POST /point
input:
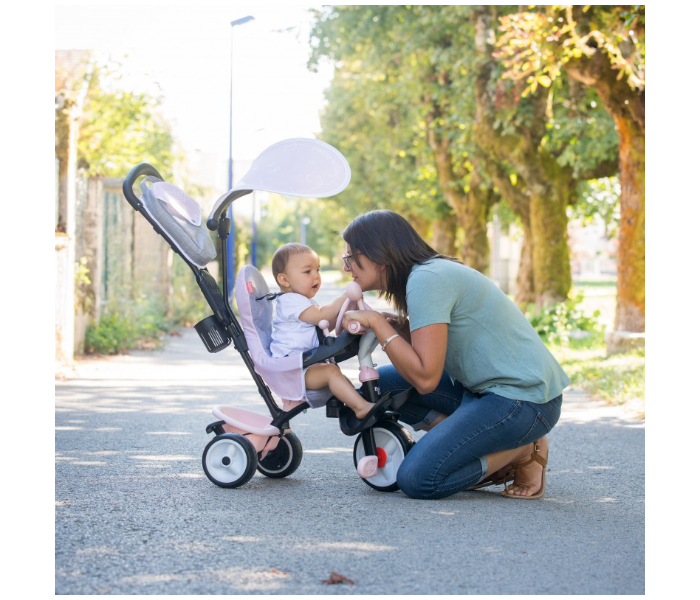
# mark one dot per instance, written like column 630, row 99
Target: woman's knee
column 412, row 481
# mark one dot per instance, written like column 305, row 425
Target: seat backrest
column 251, row 289
column 283, row 375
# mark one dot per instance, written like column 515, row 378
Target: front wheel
column 393, row 443
column 284, row 459
column 229, row 460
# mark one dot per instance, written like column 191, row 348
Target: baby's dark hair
column 281, row 257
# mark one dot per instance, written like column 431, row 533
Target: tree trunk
column 550, row 238
column 525, row 280
column 518, row 198
column 470, row 209
column 627, row 108
column 444, row 235
column 549, row 186
column 630, row 311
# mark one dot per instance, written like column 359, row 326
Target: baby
column 296, row 270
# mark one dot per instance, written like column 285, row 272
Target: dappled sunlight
column 558, row 500
column 243, row 539
column 353, row 547
column 159, row 578
column 165, row 457
column 249, row 580
column 193, row 546
column 578, row 408
column 328, row 450
column 99, row 551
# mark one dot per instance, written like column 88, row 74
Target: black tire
column 229, row 460
column 390, row 436
column 284, row 459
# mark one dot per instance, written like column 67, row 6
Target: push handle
column 221, row 205
column 128, row 186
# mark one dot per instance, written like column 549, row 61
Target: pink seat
column 284, row 376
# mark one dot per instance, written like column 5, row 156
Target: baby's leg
column 327, row 374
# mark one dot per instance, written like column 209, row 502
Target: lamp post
column 304, row 222
column 254, row 245
column 231, row 250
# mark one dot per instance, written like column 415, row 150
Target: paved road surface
column 136, row 515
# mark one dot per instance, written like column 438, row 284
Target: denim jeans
column 451, row 457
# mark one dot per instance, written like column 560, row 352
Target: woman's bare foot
column 529, row 475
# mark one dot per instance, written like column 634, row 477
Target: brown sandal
column 534, row 457
column 502, row 476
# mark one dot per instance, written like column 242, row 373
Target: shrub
column 565, row 322
column 142, row 323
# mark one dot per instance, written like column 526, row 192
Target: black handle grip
column 221, row 205
column 128, row 187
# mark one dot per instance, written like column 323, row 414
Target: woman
column 481, row 371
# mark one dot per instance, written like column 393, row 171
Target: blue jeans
column 451, row 457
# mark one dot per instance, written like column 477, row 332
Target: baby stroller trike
column 244, row 440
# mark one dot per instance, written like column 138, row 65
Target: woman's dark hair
column 388, row 239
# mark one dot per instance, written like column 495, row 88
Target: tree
column 426, row 77
column 602, row 47
column 121, row 128
column 391, row 99
column 544, row 143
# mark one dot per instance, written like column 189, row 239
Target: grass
column 618, row 379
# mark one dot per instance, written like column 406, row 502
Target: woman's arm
column 421, row 361
column 315, row 314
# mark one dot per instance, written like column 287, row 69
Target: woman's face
column 370, row 276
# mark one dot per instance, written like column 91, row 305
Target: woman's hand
column 363, row 317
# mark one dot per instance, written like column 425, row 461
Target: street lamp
column 254, row 246
column 231, row 251
column 304, row 222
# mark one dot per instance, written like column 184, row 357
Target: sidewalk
column 135, row 513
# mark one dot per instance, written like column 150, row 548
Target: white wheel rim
column 386, row 440
column 226, row 461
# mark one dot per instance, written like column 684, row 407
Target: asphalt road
column 135, row 513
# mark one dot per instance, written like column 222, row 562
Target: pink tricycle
column 245, row 441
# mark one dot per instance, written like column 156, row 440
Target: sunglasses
column 347, row 257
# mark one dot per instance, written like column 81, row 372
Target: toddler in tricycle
column 297, row 357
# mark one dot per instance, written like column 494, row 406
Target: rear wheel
column 284, row 459
column 393, row 443
column 229, row 460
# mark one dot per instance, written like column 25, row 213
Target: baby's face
column 301, row 275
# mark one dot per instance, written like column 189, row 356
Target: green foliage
column 617, row 379
column 387, row 97
column 280, row 223
column 120, row 128
column 599, row 199
column 84, row 301
column 565, row 322
column 536, row 45
column 187, row 303
column 142, row 323
column 406, row 73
